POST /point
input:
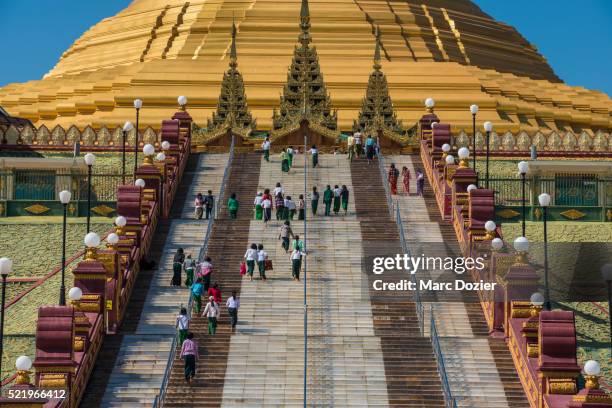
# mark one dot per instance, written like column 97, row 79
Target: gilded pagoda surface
column 449, row 50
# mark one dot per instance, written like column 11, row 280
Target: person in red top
column 215, row 292
column 392, row 177
column 406, row 179
column 189, row 351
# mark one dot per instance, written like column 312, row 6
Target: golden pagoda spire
column 377, row 112
column 304, row 94
column 232, row 108
column 233, row 53
column 377, row 65
column 305, row 24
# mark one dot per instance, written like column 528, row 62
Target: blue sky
column 575, row 36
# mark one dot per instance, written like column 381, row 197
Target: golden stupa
column 449, row 50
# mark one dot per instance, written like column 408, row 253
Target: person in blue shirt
column 196, row 290
column 370, row 145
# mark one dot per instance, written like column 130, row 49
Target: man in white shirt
column 233, row 304
column 267, row 209
column 261, row 261
column 357, row 137
column 251, row 257
column 266, row 149
column 350, row 143
column 278, row 189
column 296, row 263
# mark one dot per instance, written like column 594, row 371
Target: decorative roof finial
column 305, row 23
column 377, row 65
column 233, row 53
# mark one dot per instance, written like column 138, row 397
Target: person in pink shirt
column 189, row 351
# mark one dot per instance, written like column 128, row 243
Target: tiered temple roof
column 304, row 93
column 377, row 112
column 232, row 108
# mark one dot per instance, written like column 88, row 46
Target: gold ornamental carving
column 103, row 210
column 533, row 350
column 79, row 343
column 537, row 213
column 71, row 209
column 609, row 214
column 37, row 209
column 53, row 381
column 507, row 213
column 573, row 214
column 561, row 386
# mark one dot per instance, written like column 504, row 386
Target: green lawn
column 35, row 243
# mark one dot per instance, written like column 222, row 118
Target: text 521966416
column 35, row 393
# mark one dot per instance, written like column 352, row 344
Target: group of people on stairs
column 287, row 208
column 393, row 177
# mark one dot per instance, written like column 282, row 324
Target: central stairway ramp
column 131, row 364
column 480, row 369
column 345, row 364
column 227, row 245
column 410, row 365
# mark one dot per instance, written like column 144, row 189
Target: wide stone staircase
column 410, row 366
column 131, row 364
column 480, row 369
column 266, row 361
column 226, row 247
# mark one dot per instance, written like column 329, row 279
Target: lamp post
column 65, row 199
column 445, row 149
column 120, row 223
column 606, row 273
column 90, row 159
column 23, row 364
column 6, row 266
column 521, row 246
column 474, row 111
column 544, row 200
column 161, row 157
column 592, row 370
column 490, row 227
column 429, row 104
column 91, row 240
column 127, row 127
column 450, row 159
column 137, row 106
column 497, row 244
column 464, row 155
column 75, row 294
column 139, row 183
column 523, row 167
column 182, row 101
column 488, row 126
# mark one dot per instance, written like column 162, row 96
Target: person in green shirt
column 232, row 206
column 297, row 243
column 328, row 196
column 284, row 161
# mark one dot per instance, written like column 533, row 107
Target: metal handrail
column 435, row 342
column 383, row 175
column 159, row 398
column 405, row 249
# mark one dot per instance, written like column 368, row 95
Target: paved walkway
column 345, row 365
column 140, row 366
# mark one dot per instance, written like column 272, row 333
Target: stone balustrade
column 542, row 343
column 68, row 338
column 89, row 138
